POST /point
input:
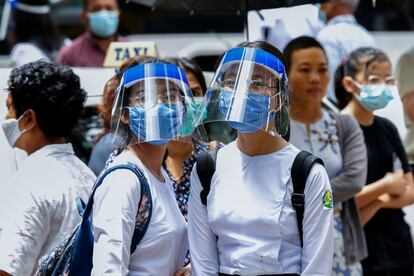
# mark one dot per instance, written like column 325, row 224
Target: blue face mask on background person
column 256, row 111
column 169, row 120
column 192, row 109
column 104, row 23
column 375, row 96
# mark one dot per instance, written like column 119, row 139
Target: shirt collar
column 89, row 37
column 53, row 149
column 346, row 18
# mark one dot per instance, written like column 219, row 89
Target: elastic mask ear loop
column 357, row 84
column 18, row 121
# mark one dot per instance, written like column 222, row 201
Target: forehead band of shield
column 153, row 70
column 36, row 9
column 260, row 57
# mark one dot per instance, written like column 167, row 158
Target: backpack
column 73, row 256
column 303, row 163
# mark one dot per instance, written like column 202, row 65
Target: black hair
column 300, row 43
column 191, row 66
column 38, row 29
column 85, row 4
column 52, row 91
column 357, row 61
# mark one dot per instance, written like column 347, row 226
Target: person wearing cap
column 341, row 35
column 89, row 49
column 34, row 35
column 246, row 224
column 149, row 110
column 38, row 208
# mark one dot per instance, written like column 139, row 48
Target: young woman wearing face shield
column 149, row 110
column 364, row 84
column 248, row 225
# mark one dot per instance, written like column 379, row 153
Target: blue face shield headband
column 154, row 97
column 257, row 56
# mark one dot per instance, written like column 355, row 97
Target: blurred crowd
column 191, row 178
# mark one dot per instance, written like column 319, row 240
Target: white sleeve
column 318, row 223
column 25, row 230
column 203, row 242
column 113, row 217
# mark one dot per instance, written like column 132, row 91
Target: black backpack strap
column 206, row 167
column 300, row 170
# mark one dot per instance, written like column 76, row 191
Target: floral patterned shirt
column 321, row 139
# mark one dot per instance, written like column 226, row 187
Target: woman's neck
column 308, row 113
column 151, row 156
column 362, row 115
column 179, row 150
column 259, row 143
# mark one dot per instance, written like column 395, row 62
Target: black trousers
column 401, row 271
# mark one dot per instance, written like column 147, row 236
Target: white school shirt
column 39, row 208
column 249, row 226
column 164, row 246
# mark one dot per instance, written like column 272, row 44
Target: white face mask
column 12, row 131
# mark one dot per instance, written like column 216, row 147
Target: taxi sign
column 118, row 52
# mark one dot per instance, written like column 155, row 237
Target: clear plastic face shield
column 151, row 105
column 249, row 91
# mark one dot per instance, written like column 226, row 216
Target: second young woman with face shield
column 149, row 110
column 246, row 225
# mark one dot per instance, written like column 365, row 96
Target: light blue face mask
column 375, row 96
column 169, row 120
column 104, row 23
column 256, row 111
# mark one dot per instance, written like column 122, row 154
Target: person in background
column 335, row 138
column 180, row 156
column 33, row 33
column 246, row 224
column 363, row 84
column 405, row 82
column 39, row 209
column 341, row 35
column 88, row 50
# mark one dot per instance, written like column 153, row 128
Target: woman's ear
column 125, row 116
column 28, row 121
column 349, row 85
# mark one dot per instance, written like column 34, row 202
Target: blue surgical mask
column 375, row 96
column 104, row 23
column 256, row 111
column 169, row 122
column 192, row 109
